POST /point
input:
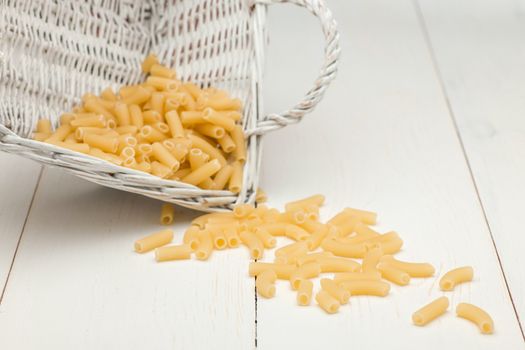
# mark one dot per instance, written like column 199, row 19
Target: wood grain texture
column 76, row 282
column 382, row 140
column 480, row 50
column 18, row 178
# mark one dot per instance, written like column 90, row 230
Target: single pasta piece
column 290, row 248
column 283, row 271
column 202, row 173
column 371, row 259
column 166, row 214
column 210, row 130
column 265, row 283
column 309, row 224
column 106, row 144
column 366, row 287
column 150, row 60
column 66, row 118
column 327, row 302
column 191, row 118
column 164, row 156
column 335, row 264
column 474, row 314
column 205, row 245
column 135, row 115
column 344, row 250
column 346, row 227
column 222, row 177
column 219, row 239
column 364, row 231
column 304, row 292
column 151, row 117
column 197, row 158
column 237, row 135
column 236, row 179
column 153, row 241
column 226, row 143
column 315, row 239
column 301, row 204
column 455, row 277
column 218, row 119
column 357, row 276
column 339, row 218
column 367, row 217
column 293, row 217
column 94, row 106
column 413, row 269
column 394, row 275
column 243, row 210
column 60, row 133
column 306, row 271
column 203, row 219
column 274, row 228
column 160, row 170
column 253, row 243
column 173, row 252
column 122, row 114
column 430, row 311
column 191, row 237
column 206, row 147
column 230, row 233
column 151, row 134
column 295, row 232
column 108, row 94
column 268, row 240
column 174, row 123
column 312, row 257
column 162, row 71
column 44, row 126
column 388, row 246
column 128, row 129
column 157, row 102
column 161, row 83
column 341, row 294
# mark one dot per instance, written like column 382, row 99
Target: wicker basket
column 53, row 52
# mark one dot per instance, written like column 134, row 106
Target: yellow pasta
column 315, row 239
column 474, row 314
column 236, row 179
column 105, row 143
column 60, row 134
column 202, row 173
column 335, row 264
column 265, row 283
column 218, row 237
column 77, row 147
column 218, row 119
column 366, row 217
column 283, row 271
column 162, row 83
column 430, row 311
column 222, row 177
column 164, row 156
column 317, row 200
column 41, row 136
column 191, row 237
column 162, row 71
column 210, row 130
column 456, row 276
column 295, row 232
column 150, row 60
column 327, row 302
column 174, row 123
column 344, row 249
column 227, row 144
column 371, row 259
column 157, row 102
column 128, row 129
column 366, row 287
column 237, row 136
column 288, row 249
column 44, row 126
column 341, row 294
column 135, row 116
column 230, row 233
column 122, row 114
column 304, row 292
column 153, row 241
column 205, row 246
column 306, row 271
column 151, row 117
column 243, row 210
column 173, row 252
column 268, row 240
column 260, row 196
column 166, row 214
column 312, row 257
column 413, row 269
column 364, row 231
column 357, row 276
column 394, row 275
column 108, row 94
column 253, row 243
column 160, row 170
column 151, row 134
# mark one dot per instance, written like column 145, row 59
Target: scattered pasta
column 455, row 277
column 474, row 314
column 430, row 311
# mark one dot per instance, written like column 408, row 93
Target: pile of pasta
column 164, row 127
column 317, row 249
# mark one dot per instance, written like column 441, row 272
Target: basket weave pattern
column 51, row 53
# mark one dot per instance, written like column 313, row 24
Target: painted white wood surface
column 383, row 140
column 76, row 283
column 480, row 50
column 18, row 178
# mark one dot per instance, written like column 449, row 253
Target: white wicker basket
column 53, row 52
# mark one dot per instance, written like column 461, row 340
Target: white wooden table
column 425, row 124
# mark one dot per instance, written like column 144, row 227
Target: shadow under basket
column 51, row 53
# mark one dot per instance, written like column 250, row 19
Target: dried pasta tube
column 237, row 135
column 66, row 118
column 260, row 196
column 394, row 275
column 341, row 294
column 283, row 271
column 219, row 239
column 206, row 147
column 179, row 174
column 222, row 177
column 253, row 243
column 371, row 259
column 306, row 271
column 128, row 129
column 230, row 233
column 344, row 250
column 227, row 144
column 215, row 118
column 389, row 246
column 335, row 264
column 122, row 114
column 191, row 237
column 138, row 97
column 268, row 240
column 157, row 102
column 367, row 217
column 161, row 83
column 243, row 210
column 202, row 220
column 178, row 151
column 60, row 134
column 310, row 225
column 295, row 232
column 151, row 134
column 304, row 293
column 70, row 138
column 301, row 204
column 167, row 212
column 192, row 118
column 193, row 90
column 44, row 126
column 144, row 148
column 126, row 141
column 265, row 283
column 108, row 94
column 312, row 257
column 430, row 311
column 274, row 228
column 202, row 173
column 205, row 246
column 160, row 170
column 143, row 166
column 346, row 227
column 77, row 147
column 164, row 156
column 162, row 127
column 106, row 144
column 197, row 158
column 291, row 248
column 313, row 213
column 135, row 115
column 153, row 241
column 150, row 60
column 357, row 276
column 455, row 277
column 174, row 123
column 173, row 252
column 41, row 136
column 210, row 130
column 327, row 302
column 151, row 117
column 236, row 179
column 129, row 162
column 477, row 315
column 162, row 71
column 315, row 239
column 95, row 152
column 413, row 269
column 366, row 287
column 364, row 231
column 92, row 105
column 223, row 103
column 339, row 218
column 127, row 152
column 128, row 90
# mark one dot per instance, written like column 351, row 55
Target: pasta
column 304, row 292
column 283, row 271
column 342, row 295
column 344, row 249
column 202, row 173
column 357, row 276
column 295, row 232
column 430, row 311
column 371, row 259
column 306, row 271
column 316, row 200
column 474, row 314
column 253, row 243
column 265, row 283
column 268, row 240
column 312, row 257
column 367, row 217
column 219, row 239
column 394, row 275
column 232, row 238
column 173, row 252
column 335, row 264
column 413, row 269
column 291, row 248
column 455, row 277
column 236, row 180
column 314, row 240
column 166, row 214
column 366, row 287
column 191, row 237
column 44, row 126
column 327, row 302
column 243, row 210
column 153, row 241
column 260, row 196
column 205, row 245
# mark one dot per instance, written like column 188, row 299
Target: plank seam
column 437, row 71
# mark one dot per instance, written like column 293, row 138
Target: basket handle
column 328, row 71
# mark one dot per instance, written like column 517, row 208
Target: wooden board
column 480, row 50
column 382, row 140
